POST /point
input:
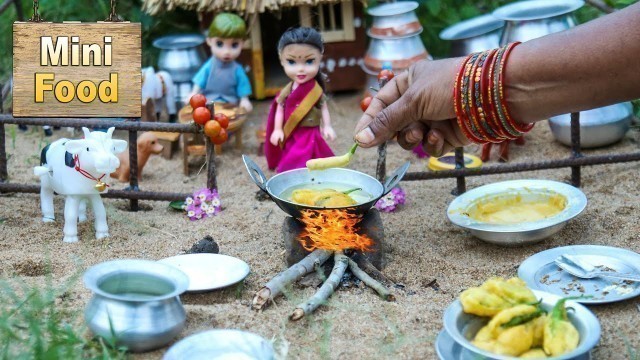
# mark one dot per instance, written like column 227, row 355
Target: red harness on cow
column 100, row 185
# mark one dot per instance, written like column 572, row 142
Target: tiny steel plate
column 448, row 349
column 221, row 344
column 209, row 271
column 541, row 273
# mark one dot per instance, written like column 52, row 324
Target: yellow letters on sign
column 76, row 70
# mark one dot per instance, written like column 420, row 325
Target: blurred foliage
column 153, row 27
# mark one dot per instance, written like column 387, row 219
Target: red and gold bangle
column 457, row 99
column 487, row 101
column 502, row 120
column 460, row 99
column 480, row 111
column 522, row 128
column 468, row 103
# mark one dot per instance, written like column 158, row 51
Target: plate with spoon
column 601, row 274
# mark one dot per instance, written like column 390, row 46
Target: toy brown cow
column 147, row 146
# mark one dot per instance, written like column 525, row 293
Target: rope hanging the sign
column 113, row 17
column 36, row 16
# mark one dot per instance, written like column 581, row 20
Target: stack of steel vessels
column 395, row 40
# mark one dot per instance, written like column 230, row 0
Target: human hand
column 328, row 133
column 276, row 137
column 246, row 104
column 417, row 106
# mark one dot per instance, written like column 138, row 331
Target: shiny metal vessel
column 135, row 303
column 476, row 34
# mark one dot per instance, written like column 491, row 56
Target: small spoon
column 578, row 268
column 333, row 161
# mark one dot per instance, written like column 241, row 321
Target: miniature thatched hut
column 341, row 23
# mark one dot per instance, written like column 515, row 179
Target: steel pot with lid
column 180, row 55
column 476, row 34
column 598, row 127
column 394, row 19
column 527, row 20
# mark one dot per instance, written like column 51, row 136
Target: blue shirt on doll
column 243, row 86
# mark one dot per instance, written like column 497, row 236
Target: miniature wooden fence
column 132, row 126
column 575, row 161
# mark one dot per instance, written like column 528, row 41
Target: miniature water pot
column 135, row 303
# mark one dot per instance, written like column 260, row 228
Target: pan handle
column 395, row 178
column 256, row 174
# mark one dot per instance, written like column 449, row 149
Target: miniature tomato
column 201, row 115
column 223, row 135
column 197, row 100
column 364, row 104
column 222, row 119
column 386, row 74
column 212, row 128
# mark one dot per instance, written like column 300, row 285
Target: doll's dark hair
column 308, row 36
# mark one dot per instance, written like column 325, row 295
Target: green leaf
column 177, row 205
column 434, row 7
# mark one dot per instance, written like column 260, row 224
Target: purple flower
column 203, row 204
column 390, row 202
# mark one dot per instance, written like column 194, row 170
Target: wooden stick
column 329, row 286
column 280, row 281
column 368, row 267
column 371, row 282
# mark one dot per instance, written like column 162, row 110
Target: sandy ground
column 355, row 323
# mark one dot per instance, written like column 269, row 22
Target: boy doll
column 221, row 78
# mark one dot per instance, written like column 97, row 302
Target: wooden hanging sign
column 76, row 69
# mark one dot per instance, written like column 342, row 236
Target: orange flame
column 332, row 230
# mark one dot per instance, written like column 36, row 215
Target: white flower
column 215, row 202
column 199, row 216
column 202, row 197
column 191, row 213
column 189, row 200
column 211, row 210
column 204, row 206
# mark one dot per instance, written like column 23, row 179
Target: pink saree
column 303, row 143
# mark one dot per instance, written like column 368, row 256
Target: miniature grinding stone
column 371, row 225
column 206, row 245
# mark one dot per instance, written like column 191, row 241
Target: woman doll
column 299, row 121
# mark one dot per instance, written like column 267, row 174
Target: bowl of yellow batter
column 517, row 212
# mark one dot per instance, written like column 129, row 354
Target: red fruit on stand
column 222, row 119
column 364, row 104
column 221, row 138
column 201, row 115
column 385, row 74
column 212, row 128
column 197, row 101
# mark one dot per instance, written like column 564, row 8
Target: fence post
column 575, row 148
column 381, row 167
column 212, row 182
column 133, row 167
column 4, row 174
column 461, row 184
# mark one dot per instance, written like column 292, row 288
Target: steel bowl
column 522, row 233
column 476, row 34
column 221, row 344
column 598, row 127
column 136, row 303
column 394, row 19
column 527, row 20
column 353, row 179
column 462, row 327
column 180, row 55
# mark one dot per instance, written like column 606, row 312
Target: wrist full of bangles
column 479, row 98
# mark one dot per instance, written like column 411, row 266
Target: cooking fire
column 325, row 233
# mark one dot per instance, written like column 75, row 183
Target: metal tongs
column 582, row 269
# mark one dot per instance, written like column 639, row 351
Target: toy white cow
column 79, row 170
